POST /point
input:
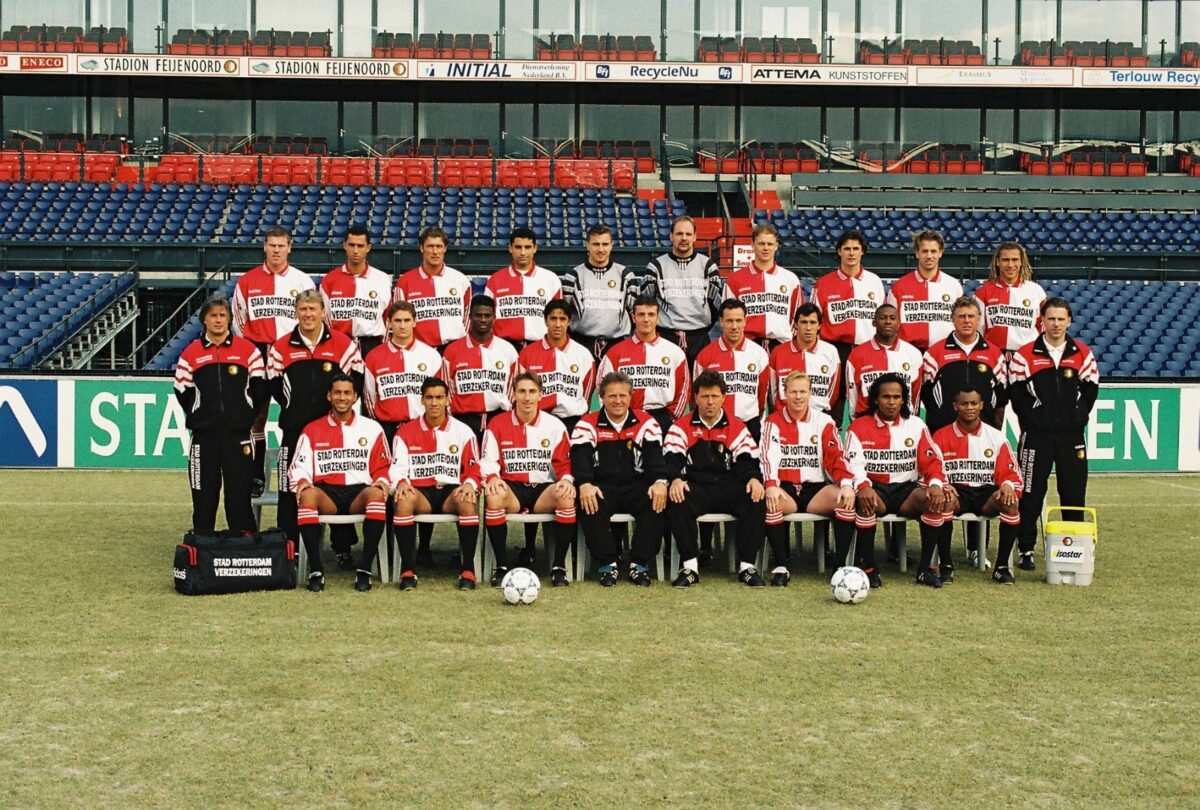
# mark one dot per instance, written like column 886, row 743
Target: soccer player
column 526, row 467
column 220, row 383
column 300, row 369
column 924, row 296
column 903, row 471
column 771, row 293
column 742, row 364
column 658, row 368
column 479, row 369
column 808, row 353
column 356, row 294
column 617, row 462
column 396, row 371
column 264, row 310
column 341, row 468
column 1053, row 383
column 800, row 452
column 963, row 359
column 601, row 293
column 521, row 292
column 712, row 461
column 440, row 293
column 687, row 286
column 982, row 478
column 1011, row 299
column 885, row 353
column 435, row 467
column 565, row 368
column 848, row 298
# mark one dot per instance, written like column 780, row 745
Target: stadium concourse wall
column 134, row 423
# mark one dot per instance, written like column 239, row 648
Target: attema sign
column 829, row 74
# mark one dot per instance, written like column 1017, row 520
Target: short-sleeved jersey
column 537, row 452
column 221, row 386
column 428, row 456
column 924, row 306
column 1011, row 315
column 746, row 372
column 442, row 303
column 480, row 375
column 299, row 375
column 355, row 305
column 264, row 303
column 948, row 368
column 724, row 453
column 658, row 370
column 771, row 298
column 600, row 297
column 820, row 362
column 602, row 452
column 848, row 305
column 568, row 375
column 871, row 360
column 688, row 290
column 806, row 450
column 893, row 452
column 1049, row 396
column 341, row 453
column 977, row 459
column 521, row 300
column 393, row 377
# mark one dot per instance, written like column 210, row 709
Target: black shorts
column 342, row 496
column 802, row 494
column 437, row 495
column 527, row 494
column 972, row 499
column 894, row 495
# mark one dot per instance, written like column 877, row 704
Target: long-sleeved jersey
column 567, row 374
column 604, row 453
column 725, row 453
column 1011, row 315
column 221, row 386
column 871, row 360
column 977, row 459
column 948, row 368
column 480, row 375
column 601, row 298
column 442, row 303
column 821, row 363
column 848, row 305
column 747, row 375
column 537, row 452
column 354, row 304
column 341, row 453
column 771, row 298
column 893, row 452
column 1053, row 397
column 264, row 303
column 428, row 456
column 924, row 306
column 658, row 370
column 521, row 300
column 393, row 377
column 299, row 375
column 803, row 451
column 688, row 290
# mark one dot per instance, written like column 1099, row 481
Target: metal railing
column 45, row 346
column 161, row 334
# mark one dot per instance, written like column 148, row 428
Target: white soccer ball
column 850, row 585
column 520, row 586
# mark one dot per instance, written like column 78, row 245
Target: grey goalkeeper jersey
column 688, row 290
column 601, row 297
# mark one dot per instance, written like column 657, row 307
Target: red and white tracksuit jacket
column 746, row 371
column 442, row 303
column 537, row 452
column 872, row 360
column 428, row 456
column 341, row 453
column 821, row 364
column 264, row 303
column 1011, row 315
column 924, row 306
column 848, row 305
column 355, row 305
column 771, row 298
column 393, row 378
column 658, row 370
column 480, row 375
column 568, row 375
column 521, row 300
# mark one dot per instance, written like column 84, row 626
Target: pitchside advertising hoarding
column 135, row 423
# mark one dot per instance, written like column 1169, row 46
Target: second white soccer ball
column 850, row 585
column 520, row 586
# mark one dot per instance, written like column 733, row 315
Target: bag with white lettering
column 230, row 562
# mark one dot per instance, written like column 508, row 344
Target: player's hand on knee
column 756, row 490
column 679, row 490
column 589, row 498
column 937, row 498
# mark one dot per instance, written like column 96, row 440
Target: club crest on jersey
column 499, row 364
column 666, row 361
column 629, row 444
column 908, row 442
column 233, row 370
column 420, row 366
column 292, row 293
column 327, row 366
column 813, row 439
column 720, row 448
column 871, row 296
column 1080, row 454
column 752, row 367
column 946, row 298
column 453, row 291
column 1025, row 302
column 1068, row 373
column 545, row 442
column 373, row 294
column 783, row 288
column 246, row 450
column 454, row 448
column 904, row 366
column 362, row 441
column 825, row 369
column 987, row 453
column 541, row 292
column 574, row 368
column 982, row 368
column 612, row 283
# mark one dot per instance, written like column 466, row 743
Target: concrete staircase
column 84, row 350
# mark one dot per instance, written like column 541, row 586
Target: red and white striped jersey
column 802, row 451
column 480, row 375
column 355, row 305
column 428, row 456
column 924, row 306
column 848, row 305
column 341, row 453
column 746, row 371
column 1012, row 316
column 771, row 298
column 658, row 370
column 442, row 303
column 977, row 459
column 893, row 452
column 537, row 452
column 872, row 360
column 264, row 303
column 521, row 300
column 567, row 374
column 393, row 379
column 821, row 363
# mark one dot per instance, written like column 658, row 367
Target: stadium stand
column 921, row 52
column 1089, row 163
column 598, row 47
column 63, row 39
column 388, row 45
column 225, row 42
column 1082, row 54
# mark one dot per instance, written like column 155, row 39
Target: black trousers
column 598, row 346
column 287, row 499
column 690, row 340
column 837, row 399
column 1037, row 453
column 477, row 422
column 647, row 530
column 215, row 455
column 729, row 497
